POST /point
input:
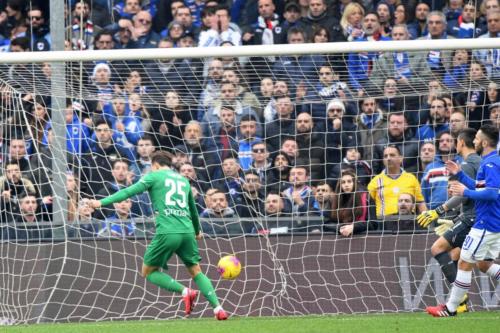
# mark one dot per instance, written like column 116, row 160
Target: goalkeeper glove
column 427, row 217
column 444, row 226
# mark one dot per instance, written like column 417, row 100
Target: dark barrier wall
column 283, row 275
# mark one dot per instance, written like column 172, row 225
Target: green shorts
column 162, row 247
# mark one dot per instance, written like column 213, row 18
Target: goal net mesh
column 280, row 152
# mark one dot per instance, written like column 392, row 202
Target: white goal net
column 282, row 146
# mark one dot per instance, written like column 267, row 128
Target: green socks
column 165, row 281
column 207, row 289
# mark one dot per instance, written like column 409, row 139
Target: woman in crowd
column 350, row 207
column 351, row 21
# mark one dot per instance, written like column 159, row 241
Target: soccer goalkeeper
column 452, row 233
column 177, row 229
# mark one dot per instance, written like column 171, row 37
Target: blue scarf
column 402, row 65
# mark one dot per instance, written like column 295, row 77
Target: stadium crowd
column 332, row 142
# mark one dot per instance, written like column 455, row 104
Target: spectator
column 457, row 122
column 27, row 227
column 372, row 126
column 243, row 94
column 317, row 15
column 476, row 97
column 351, row 22
column 265, row 93
column 456, row 76
column 250, row 202
column 41, row 162
column 231, row 180
column 385, row 14
column 409, row 69
column 401, row 15
column 341, row 132
column 406, row 204
column 183, row 15
column 311, row 145
column 265, row 31
column 13, row 186
column 422, row 115
column 493, row 95
column 211, row 90
column 82, row 28
column 280, row 173
column 279, row 89
column 291, row 17
column 465, row 25
column 13, row 24
column 360, row 65
column 126, row 9
column 426, row 157
column 219, row 210
column 323, row 194
column 275, row 131
column 439, row 121
column 86, row 227
column 145, row 148
column 352, row 161
column 386, row 186
column 350, row 206
column 38, row 30
column 261, row 164
column 247, row 138
column 220, row 30
column 291, row 148
column 435, row 178
column 141, row 34
column 489, row 57
column 228, row 99
column 123, row 177
column 120, row 222
column 169, row 120
column 174, row 74
column 418, row 28
column 97, row 163
column 327, row 87
column 196, row 7
column 18, row 154
column 102, row 88
column 297, row 70
column 198, row 189
column 438, row 61
column 405, row 215
column 134, row 84
column 194, row 147
column 401, row 135
column 299, row 195
column 175, row 30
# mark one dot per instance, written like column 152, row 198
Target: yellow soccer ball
column 229, row 267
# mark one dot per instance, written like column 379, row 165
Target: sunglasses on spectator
column 35, row 18
column 259, row 150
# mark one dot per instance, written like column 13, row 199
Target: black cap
column 494, row 105
column 292, row 4
column 180, row 149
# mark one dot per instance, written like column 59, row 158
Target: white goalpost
column 211, row 107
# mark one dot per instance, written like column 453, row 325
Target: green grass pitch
column 476, row 322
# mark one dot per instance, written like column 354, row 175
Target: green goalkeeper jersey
column 172, row 201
